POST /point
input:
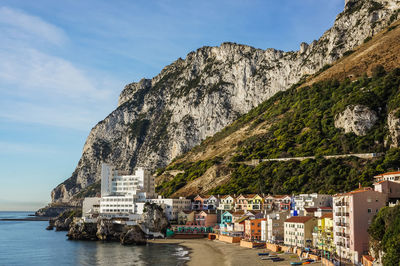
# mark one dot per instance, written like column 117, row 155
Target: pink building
column 389, row 184
column 205, row 218
column 352, row 215
column 283, row 202
column 242, row 202
column 277, row 203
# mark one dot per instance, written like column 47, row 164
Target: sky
column 64, row 63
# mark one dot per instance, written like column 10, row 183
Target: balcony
column 342, row 214
column 342, row 224
column 342, row 234
column 342, row 204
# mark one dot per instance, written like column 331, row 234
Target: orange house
column 252, row 229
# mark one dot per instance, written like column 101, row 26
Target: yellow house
column 255, row 202
column 324, row 239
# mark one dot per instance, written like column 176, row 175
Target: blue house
column 226, row 218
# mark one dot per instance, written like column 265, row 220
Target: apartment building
column 298, row 231
column 272, row 228
column 172, row 207
column 352, row 215
column 252, row 229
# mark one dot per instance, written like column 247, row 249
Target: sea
column 28, row 243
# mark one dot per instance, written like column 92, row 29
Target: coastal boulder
column 153, row 218
column 108, row 231
column 357, row 119
column 82, row 231
column 134, row 235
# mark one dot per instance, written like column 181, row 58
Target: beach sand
column 206, row 252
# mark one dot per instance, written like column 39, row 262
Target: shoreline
column 214, row 252
column 29, row 219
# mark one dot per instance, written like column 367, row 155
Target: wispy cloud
column 20, row 24
column 39, row 86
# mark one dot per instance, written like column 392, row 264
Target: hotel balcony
column 341, row 204
column 342, row 214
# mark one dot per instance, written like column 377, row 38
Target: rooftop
column 327, row 215
column 388, row 173
column 298, row 219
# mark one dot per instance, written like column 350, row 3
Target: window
column 369, row 210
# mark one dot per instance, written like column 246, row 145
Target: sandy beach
column 206, row 252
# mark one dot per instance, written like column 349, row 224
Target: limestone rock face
column 154, row 219
column 160, row 118
column 357, row 119
column 394, row 128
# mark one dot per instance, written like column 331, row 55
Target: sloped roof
column 388, row 173
column 298, row 219
column 311, row 209
column 242, row 219
column 327, row 215
column 325, row 208
column 238, row 213
column 359, row 190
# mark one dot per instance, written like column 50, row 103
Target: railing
column 342, row 224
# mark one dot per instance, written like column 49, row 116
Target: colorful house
column 323, row 234
column 269, row 203
column 226, row 218
column 283, row 202
column 255, row 202
column 211, row 203
column 205, row 218
column 226, row 203
column 198, row 203
column 241, row 203
column 252, row 229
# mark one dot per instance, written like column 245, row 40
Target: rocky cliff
column 159, row 119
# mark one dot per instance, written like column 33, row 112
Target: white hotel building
column 124, row 196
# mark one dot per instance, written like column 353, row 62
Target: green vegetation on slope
column 301, row 123
column 191, row 171
column 320, row 175
column 385, row 234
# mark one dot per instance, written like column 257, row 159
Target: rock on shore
column 107, row 231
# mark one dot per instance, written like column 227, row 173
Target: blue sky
column 64, row 63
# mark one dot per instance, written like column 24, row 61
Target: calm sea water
column 28, row 243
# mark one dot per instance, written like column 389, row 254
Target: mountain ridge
column 159, row 119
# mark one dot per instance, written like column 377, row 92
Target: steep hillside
column 385, row 236
column 330, row 117
column 193, row 98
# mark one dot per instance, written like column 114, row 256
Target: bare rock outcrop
column 393, row 122
column 357, row 119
